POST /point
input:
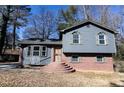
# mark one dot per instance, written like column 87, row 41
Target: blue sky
column 36, row 8
column 54, row 8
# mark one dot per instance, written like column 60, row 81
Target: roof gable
column 87, row 22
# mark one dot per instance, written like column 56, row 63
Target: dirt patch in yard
column 37, row 78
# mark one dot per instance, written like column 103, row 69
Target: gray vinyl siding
column 88, row 41
column 36, row 60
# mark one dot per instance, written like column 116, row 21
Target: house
column 85, row 46
column 38, row 51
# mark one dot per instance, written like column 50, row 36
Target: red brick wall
column 88, row 62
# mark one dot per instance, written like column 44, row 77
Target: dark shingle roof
column 85, row 22
column 39, row 42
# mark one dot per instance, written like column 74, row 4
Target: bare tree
column 104, row 14
column 42, row 25
column 19, row 19
column 88, row 12
column 11, row 16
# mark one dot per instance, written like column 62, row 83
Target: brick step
column 68, row 68
column 54, row 67
column 72, row 70
column 65, row 64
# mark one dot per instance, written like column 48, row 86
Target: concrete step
column 10, row 66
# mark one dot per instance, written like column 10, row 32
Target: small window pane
column 44, row 51
column 36, row 51
column 74, row 59
column 100, row 59
column 75, row 38
column 44, row 48
column 36, row 48
column 102, row 41
column 75, row 41
column 101, row 36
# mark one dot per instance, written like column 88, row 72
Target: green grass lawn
column 34, row 78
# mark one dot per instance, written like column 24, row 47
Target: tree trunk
column 3, row 33
column 14, row 35
column 5, row 19
column 6, row 44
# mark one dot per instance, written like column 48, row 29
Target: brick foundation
column 88, row 62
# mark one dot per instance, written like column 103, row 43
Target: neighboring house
column 86, row 46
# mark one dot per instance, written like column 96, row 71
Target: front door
column 35, row 59
column 58, row 53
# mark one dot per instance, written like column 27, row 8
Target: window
column 100, row 59
column 36, row 51
column 101, row 38
column 44, row 51
column 29, row 51
column 76, row 38
column 75, row 58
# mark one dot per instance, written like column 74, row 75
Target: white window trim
column 105, row 39
column 78, row 39
column 103, row 59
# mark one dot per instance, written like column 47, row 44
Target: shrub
column 9, row 58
